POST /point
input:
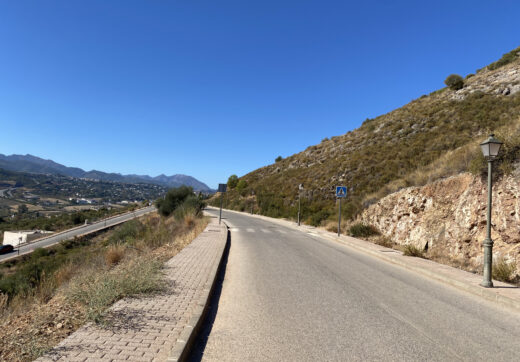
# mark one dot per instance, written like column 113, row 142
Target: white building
column 16, row 238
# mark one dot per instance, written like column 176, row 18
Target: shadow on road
column 197, row 350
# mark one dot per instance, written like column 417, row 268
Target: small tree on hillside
column 232, row 181
column 242, row 184
column 454, row 81
column 173, row 198
column 278, row 159
column 22, row 209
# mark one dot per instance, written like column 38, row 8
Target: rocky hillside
column 429, row 138
column 449, row 217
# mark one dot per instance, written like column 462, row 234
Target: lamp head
column 490, row 147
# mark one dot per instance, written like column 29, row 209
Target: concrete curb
column 184, row 344
column 459, row 279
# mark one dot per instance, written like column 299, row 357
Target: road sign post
column 300, row 188
column 339, row 218
column 252, row 201
column 222, row 189
column 341, row 192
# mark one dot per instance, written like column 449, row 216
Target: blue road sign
column 341, row 191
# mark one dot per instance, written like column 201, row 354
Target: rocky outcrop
column 449, row 216
column 503, row 81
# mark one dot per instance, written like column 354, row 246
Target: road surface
column 289, row 295
column 28, row 248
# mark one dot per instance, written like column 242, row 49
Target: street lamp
column 490, row 148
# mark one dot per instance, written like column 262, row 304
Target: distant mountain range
column 33, row 164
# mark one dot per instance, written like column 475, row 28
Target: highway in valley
column 69, row 234
column 291, row 295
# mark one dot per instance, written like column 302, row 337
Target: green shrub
column 360, row 230
column 173, row 198
column 412, row 250
column 29, row 275
column 191, row 206
column 242, row 184
column 478, row 165
column 232, row 181
column 506, row 59
column 278, row 159
column 78, row 218
column 454, row 81
column 317, row 217
column 128, row 232
column 22, row 209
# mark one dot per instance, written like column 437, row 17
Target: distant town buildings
column 82, row 201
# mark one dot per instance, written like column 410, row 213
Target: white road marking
column 249, row 230
column 266, row 231
column 282, row 232
column 235, row 229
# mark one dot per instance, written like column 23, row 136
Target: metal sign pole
column 341, row 192
column 299, row 203
column 252, row 200
column 339, row 218
column 220, row 214
column 300, row 188
column 222, row 189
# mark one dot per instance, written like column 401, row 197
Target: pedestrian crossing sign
column 341, row 191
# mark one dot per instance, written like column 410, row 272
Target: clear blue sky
column 209, row 88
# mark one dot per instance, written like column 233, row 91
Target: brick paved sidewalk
column 147, row 328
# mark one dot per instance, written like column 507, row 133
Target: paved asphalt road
column 24, row 249
column 289, row 295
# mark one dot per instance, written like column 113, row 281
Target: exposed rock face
column 504, row 81
column 450, row 215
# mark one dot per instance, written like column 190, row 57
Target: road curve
column 289, row 295
column 86, row 229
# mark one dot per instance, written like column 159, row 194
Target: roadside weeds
column 124, row 262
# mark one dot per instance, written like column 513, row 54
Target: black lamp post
column 490, row 148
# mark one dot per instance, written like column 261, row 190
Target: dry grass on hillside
column 431, row 137
column 123, row 262
column 466, row 158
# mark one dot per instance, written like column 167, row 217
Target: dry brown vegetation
column 504, row 271
column 114, row 254
column 94, row 274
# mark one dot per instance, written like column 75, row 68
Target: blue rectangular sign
column 341, row 191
